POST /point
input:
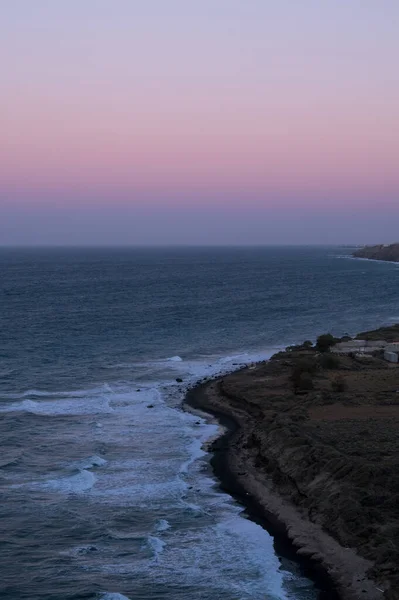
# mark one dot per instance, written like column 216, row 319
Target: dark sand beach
column 319, row 466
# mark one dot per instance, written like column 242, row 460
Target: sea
column 106, row 488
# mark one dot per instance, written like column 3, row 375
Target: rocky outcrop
column 379, row 252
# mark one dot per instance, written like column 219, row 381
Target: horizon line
column 171, row 245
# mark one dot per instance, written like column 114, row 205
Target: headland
column 385, row 252
column 313, row 451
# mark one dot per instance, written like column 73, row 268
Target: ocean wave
column 122, row 535
column 26, row 394
column 104, row 388
column 6, row 373
column 113, row 596
column 195, row 452
column 240, row 358
column 162, row 525
column 142, row 493
column 157, row 361
column 156, row 545
column 80, row 551
column 11, row 460
column 161, row 373
column 93, row 461
column 60, row 407
column 76, row 484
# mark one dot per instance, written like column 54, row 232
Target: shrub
column 305, row 365
column 329, row 361
column 324, row 342
column 307, row 345
column 339, row 385
column 301, row 375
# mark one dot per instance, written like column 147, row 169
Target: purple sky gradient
column 212, row 122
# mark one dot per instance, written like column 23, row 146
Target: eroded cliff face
column 331, row 451
column 380, row 252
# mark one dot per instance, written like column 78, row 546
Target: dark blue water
column 106, row 488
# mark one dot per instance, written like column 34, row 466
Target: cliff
column 321, row 459
column 380, row 252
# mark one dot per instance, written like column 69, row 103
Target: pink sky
column 196, row 106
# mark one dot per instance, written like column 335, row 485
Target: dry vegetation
column 327, row 433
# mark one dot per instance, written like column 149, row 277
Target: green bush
column 324, row 342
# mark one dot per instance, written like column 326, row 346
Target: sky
column 199, row 122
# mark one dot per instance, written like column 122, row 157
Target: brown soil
column 338, row 412
column 323, row 463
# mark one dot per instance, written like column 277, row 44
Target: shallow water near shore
column 106, row 489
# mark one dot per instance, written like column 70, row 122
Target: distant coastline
column 385, row 252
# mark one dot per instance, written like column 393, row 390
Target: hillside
column 320, row 432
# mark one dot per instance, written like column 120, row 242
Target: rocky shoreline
column 296, row 458
column 226, row 470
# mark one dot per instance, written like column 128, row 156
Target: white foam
column 113, row 596
column 370, row 260
column 196, row 452
column 156, row 545
column 29, row 405
column 93, row 461
column 76, row 484
column 215, row 366
column 168, row 480
column 259, row 555
column 239, row 358
column 162, row 525
column 132, row 398
column 27, row 393
column 86, row 406
column 240, row 561
column 160, row 361
column 72, row 394
column 163, row 493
